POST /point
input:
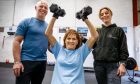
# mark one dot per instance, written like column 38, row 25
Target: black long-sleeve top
column 111, row 45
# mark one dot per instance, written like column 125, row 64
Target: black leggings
column 34, row 72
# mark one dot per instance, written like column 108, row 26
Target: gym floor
column 7, row 76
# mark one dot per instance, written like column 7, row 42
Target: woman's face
column 71, row 41
column 105, row 16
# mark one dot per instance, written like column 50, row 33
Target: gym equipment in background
column 130, row 65
column 11, row 31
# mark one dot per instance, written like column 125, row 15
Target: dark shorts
column 34, row 72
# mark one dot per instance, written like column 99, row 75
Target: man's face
column 41, row 9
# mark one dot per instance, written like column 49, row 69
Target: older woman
column 71, row 56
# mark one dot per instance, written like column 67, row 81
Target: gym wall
column 13, row 12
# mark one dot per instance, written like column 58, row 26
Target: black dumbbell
column 54, row 8
column 82, row 14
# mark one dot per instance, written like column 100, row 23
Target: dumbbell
column 57, row 11
column 82, row 14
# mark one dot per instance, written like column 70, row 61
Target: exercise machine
column 130, row 65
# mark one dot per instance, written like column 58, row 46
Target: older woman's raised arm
column 93, row 33
column 82, row 14
column 49, row 31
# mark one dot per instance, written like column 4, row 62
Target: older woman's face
column 71, row 42
column 105, row 16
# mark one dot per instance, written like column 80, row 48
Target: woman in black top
column 110, row 52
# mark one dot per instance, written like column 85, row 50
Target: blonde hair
column 72, row 31
column 106, row 9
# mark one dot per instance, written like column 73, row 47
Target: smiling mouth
column 43, row 12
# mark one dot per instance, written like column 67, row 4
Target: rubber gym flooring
column 7, row 76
